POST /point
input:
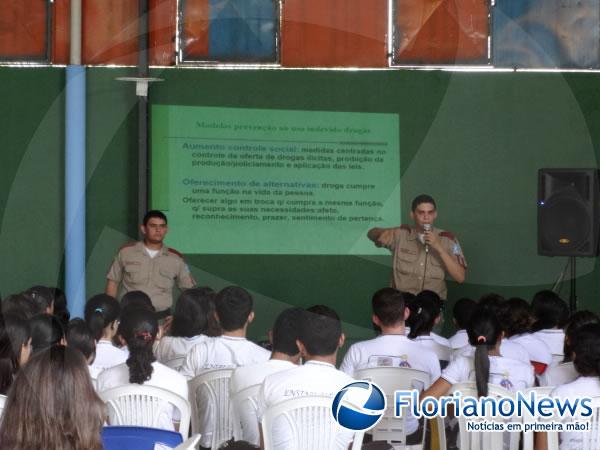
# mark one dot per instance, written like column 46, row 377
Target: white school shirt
column 162, row 377
column 223, row 352
column 554, row 338
column 390, row 350
column 432, row 341
column 566, row 371
column 170, row 348
column 582, row 386
column 312, row 378
column 506, row 372
column 246, row 376
column 459, row 340
column 107, row 356
column 537, row 349
column 507, row 349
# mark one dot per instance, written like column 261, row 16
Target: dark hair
column 140, row 328
column 195, row 314
column 286, row 331
column 423, row 311
column 61, row 310
column 136, row 299
column 549, row 311
column 100, row 311
column 154, row 214
column 42, row 296
column 233, row 305
column 320, row 330
column 575, row 323
column 46, row 331
column 586, row 346
column 422, row 198
column 388, row 305
column 462, row 311
column 53, row 405
column 483, row 331
column 515, row 314
column 19, row 305
column 79, row 336
column 14, row 334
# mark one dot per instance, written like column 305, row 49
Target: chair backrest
column 138, row 438
column 528, row 418
column 2, row 402
column 442, row 352
column 558, row 375
column 591, row 438
column 209, row 395
column 390, row 379
column 135, row 404
column 309, row 422
column 482, row 440
column 245, row 406
column 189, row 444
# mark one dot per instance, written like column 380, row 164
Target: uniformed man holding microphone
column 150, row 266
column 422, row 254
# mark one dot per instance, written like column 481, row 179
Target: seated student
column 46, row 331
column 230, row 350
column 586, row 351
column 565, row 371
column 550, row 314
column 285, row 356
column 320, row 337
column 79, row 336
column 461, row 313
column 130, row 301
column 101, row 315
column 391, row 348
column 516, row 316
column 487, row 365
column 425, row 313
column 193, row 322
column 52, row 405
column 15, row 349
column 494, row 303
column 140, row 328
column 234, row 313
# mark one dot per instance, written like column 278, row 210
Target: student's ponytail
column 423, row 312
column 100, row 311
column 140, row 328
column 484, row 331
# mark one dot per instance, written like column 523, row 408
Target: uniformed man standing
column 150, row 266
column 422, row 255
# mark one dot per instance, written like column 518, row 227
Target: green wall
column 472, row 140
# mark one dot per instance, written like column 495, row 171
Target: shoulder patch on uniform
column 129, row 244
column 175, row 252
column 448, row 235
column 405, row 227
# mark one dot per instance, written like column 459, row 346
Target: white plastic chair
column 472, row 440
column 558, row 375
column 209, row 394
column 590, row 439
column 135, row 404
column 391, row 379
column 528, row 435
column 2, row 402
column 189, row 444
column 556, row 359
column 245, row 407
column 309, row 422
column 442, row 352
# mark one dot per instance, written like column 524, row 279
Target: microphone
column 426, row 227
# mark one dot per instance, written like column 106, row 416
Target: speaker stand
column 573, row 286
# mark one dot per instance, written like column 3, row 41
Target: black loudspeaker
column 568, row 222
